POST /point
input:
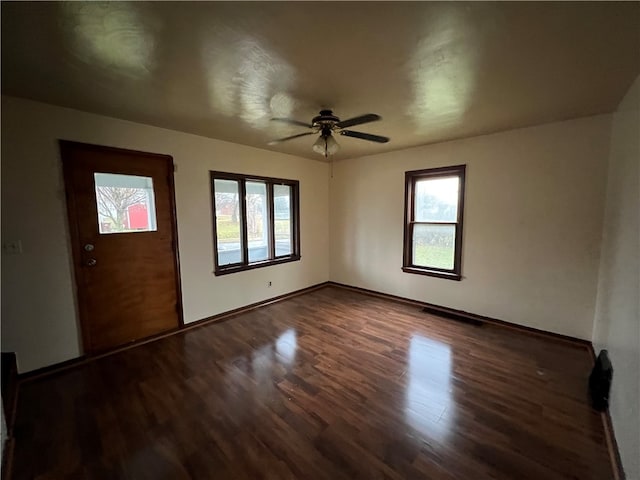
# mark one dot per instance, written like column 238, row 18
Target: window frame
column 270, row 182
column 411, row 177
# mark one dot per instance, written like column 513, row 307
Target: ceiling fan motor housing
column 325, row 119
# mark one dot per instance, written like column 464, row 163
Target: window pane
column 282, row 220
column 434, row 246
column 125, row 203
column 228, row 221
column 436, row 200
column 257, row 228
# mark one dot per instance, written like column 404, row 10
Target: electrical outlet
column 12, row 247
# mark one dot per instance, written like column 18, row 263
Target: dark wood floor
column 328, row 385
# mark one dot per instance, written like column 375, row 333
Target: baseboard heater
column 457, row 315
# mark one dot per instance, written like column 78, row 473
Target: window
column 125, row 203
column 434, row 201
column 256, row 221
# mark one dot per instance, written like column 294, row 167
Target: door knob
column 91, row 262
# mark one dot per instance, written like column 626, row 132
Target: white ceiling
column 433, row 71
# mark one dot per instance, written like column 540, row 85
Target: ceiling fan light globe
column 332, row 146
column 320, row 146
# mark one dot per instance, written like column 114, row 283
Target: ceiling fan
column 326, row 124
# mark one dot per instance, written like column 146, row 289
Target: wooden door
column 123, row 234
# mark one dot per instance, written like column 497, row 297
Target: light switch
column 12, row 247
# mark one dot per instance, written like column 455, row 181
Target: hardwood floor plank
column 332, row 384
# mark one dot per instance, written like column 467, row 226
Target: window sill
column 433, row 273
column 241, row 268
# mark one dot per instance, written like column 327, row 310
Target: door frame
column 76, row 244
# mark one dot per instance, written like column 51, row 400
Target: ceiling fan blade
column 364, row 136
column 291, row 121
column 369, row 117
column 280, row 140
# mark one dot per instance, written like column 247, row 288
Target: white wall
column 38, row 308
column 617, row 326
column 532, row 226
